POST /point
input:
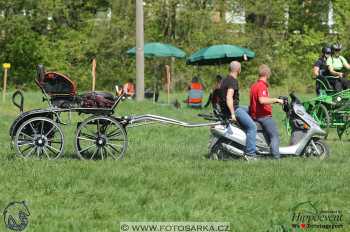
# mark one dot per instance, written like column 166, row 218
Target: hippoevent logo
column 16, row 216
column 307, row 216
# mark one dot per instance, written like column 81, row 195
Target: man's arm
column 331, row 69
column 269, row 100
column 345, row 63
column 229, row 103
column 334, row 73
column 316, row 71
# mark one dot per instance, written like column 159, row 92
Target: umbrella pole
column 154, row 91
column 154, row 83
column 168, row 79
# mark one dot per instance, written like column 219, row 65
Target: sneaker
column 250, row 157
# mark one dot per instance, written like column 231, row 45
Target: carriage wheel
column 101, row 137
column 321, row 115
column 39, row 137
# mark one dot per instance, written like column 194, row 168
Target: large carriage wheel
column 321, row 115
column 101, row 137
column 39, row 137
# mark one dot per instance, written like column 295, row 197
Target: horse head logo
column 16, row 216
column 306, row 207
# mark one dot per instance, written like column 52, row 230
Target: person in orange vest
column 195, row 93
column 129, row 88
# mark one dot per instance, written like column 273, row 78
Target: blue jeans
column 271, row 130
column 249, row 128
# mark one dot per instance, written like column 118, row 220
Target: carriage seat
column 55, row 84
column 63, row 91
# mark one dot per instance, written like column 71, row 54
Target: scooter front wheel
column 317, row 149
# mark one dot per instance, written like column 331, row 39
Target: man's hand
column 280, row 101
column 233, row 118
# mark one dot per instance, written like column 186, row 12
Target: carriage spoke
column 101, row 149
column 50, row 131
column 31, row 126
column 114, row 133
column 87, row 148
column 120, row 140
column 47, row 155
column 109, row 152
column 22, row 133
column 87, row 135
column 93, row 155
column 51, row 148
column 117, row 145
column 113, row 148
column 26, row 149
column 86, row 139
column 106, row 126
column 31, row 152
column 38, row 151
column 25, row 142
column 42, row 127
column 52, row 141
column 98, row 127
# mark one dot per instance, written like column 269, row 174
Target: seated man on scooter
column 230, row 89
column 260, row 108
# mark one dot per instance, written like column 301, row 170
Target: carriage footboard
column 149, row 118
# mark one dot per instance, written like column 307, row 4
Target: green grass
column 165, row 177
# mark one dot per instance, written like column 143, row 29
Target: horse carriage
column 331, row 109
column 38, row 133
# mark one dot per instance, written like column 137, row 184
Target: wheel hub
column 101, row 141
column 40, row 141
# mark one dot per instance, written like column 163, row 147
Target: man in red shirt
column 260, row 108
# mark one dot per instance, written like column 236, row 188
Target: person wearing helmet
column 336, row 65
column 320, row 68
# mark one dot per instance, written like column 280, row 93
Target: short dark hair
column 219, row 78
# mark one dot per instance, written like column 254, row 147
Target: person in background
column 215, row 87
column 320, row 68
column 129, row 88
column 230, row 90
column 195, row 93
column 118, row 90
column 337, row 65
column 260, row 108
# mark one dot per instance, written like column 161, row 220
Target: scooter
column 228, row 139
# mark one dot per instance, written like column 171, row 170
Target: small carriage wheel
column 320, row 113
column 101, row 137
column 39, row 137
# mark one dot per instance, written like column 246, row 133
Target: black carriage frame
column 38, row 132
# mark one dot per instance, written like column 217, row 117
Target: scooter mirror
column 294, row 98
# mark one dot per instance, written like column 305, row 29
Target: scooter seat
column 258, row 126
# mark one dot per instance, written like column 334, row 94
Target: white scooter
column 228, row 140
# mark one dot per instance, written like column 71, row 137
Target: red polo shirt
column 256, row 109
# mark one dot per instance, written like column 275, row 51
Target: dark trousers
column 342, row 84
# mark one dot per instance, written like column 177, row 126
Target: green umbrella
column 220, row 54
column 159, row 50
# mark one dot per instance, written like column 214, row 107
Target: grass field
column 165, row 177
